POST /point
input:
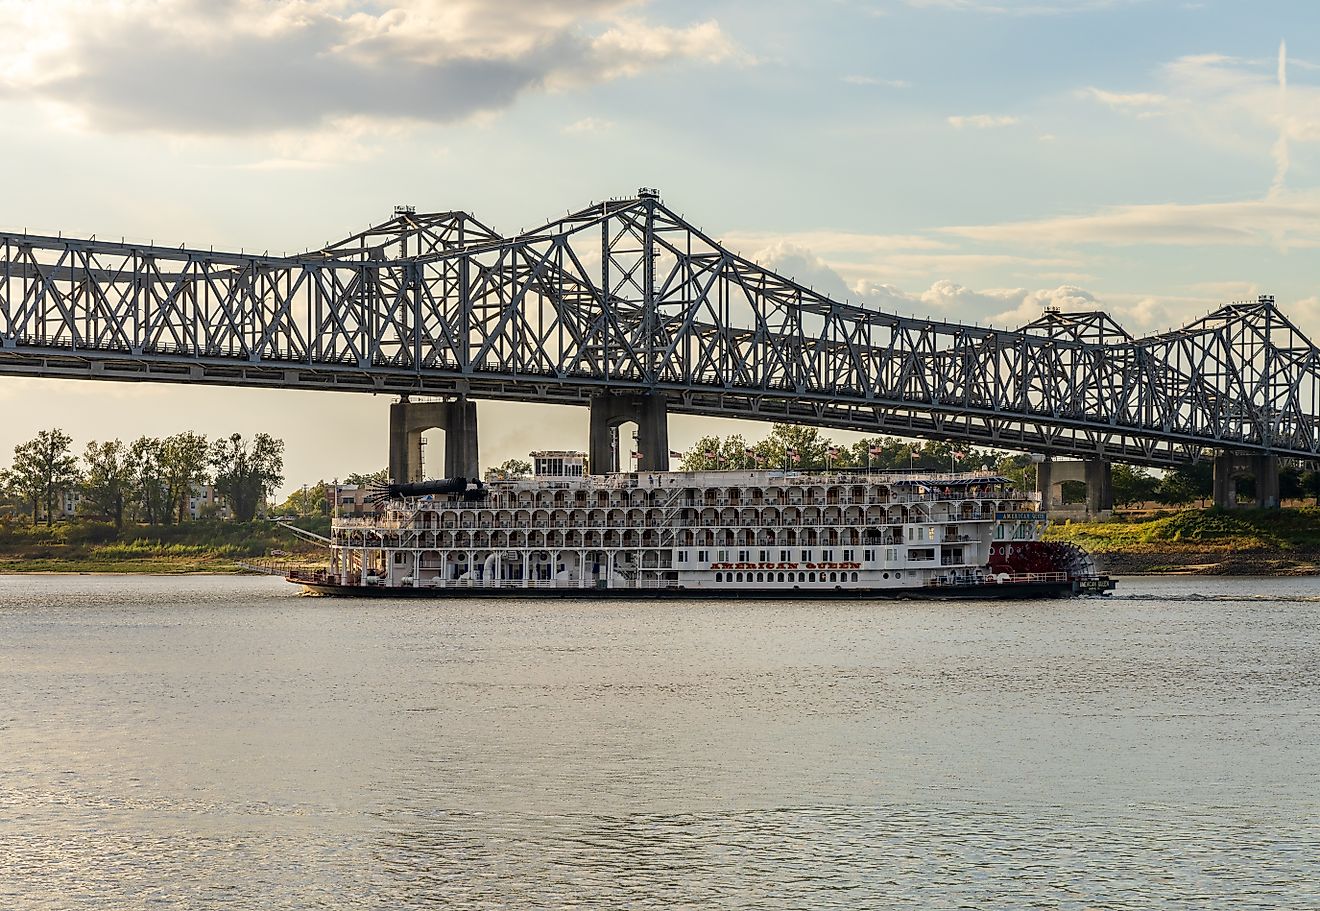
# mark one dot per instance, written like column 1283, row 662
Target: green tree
column 309, row 501
column 245, row 474
column 150, row 491
column 881, row 453
column 183, row 464
column 1186, row 483
column 21, row 488
column 1290, row 483
column 710, row 453
column 1310, row 483
column 1018, row 467
column 793, row 447
column 368, row 480
column 1132, row 485
column 108, row 482
column 510, row 470
column 43, row 468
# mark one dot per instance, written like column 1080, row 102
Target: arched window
column 740, row 577
column 719, row 577
column 854, row 577
column 760, row 577
column 811, row 577
column 781, row 577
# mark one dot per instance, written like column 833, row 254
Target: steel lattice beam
column 626, row 295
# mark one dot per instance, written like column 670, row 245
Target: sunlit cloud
column 982, row 121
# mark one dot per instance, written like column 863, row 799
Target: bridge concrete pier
column 651, row 415
column 1229, row 466
column 1096, row 474
column 409, row 420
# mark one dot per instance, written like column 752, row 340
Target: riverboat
column 705, row 534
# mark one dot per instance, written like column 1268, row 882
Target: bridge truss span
column 626, row 296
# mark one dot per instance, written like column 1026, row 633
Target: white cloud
column 1141, row 104
column 587, row 125
column 876, row 81
column 982, row 121
column 1289, row 220
column 943, row 299
column 1022, row 7
column 1229, row 102
column 204, row 67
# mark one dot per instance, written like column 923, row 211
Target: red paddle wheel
column 1017, row 557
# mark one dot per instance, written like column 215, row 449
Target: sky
column 970, row 159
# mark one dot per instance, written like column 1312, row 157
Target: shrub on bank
column 1278, row 529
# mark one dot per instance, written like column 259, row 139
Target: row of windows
column 764, row 556
column 788, row 577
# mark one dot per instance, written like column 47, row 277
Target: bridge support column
column 1045, row 483
column 605, row 452
column 1099, row 486
column 1264, row 469
column 1096, row 474
column 409, row 420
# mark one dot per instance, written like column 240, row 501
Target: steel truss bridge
column 625, row 296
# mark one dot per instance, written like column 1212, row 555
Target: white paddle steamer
column 707, row 534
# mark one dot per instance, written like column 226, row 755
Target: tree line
column 807, row 449
column 149, row 480
column 317, row 499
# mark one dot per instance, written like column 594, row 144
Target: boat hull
column 984, row 592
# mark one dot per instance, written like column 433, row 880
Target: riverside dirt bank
column 1284, row 542
column 212, row 547
column 1279, row 542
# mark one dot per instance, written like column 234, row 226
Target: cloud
column 234, row 67
column 876, row 81
column 1141, row 104
column 587, row 125
column 1287, row 220
column 943, row 299
column 982, row 121
column 1282, row 158
column 1229, row 102
column 1022, row 7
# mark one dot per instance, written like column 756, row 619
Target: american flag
column 709, row 453
column 756, row 455
column 832, row 452
column 636, row 454
column 749, row 451
column 793, row 454
column 675, row 455
column 875, row 450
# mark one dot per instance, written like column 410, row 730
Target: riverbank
column 1280, row 542
column 1283, row 542
column 194, row 547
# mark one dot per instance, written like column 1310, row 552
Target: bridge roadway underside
column 1056, row 435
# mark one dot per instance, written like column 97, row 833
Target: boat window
column 781, row 577
column 811, row 577
column 760, row 577
column 854, row 577
column 719, row 577
column 884, row 575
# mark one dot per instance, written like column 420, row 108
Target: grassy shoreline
column 1284, row 542
column 1279, row 542
column 210, row 547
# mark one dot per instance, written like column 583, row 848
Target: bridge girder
column 627, row 296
